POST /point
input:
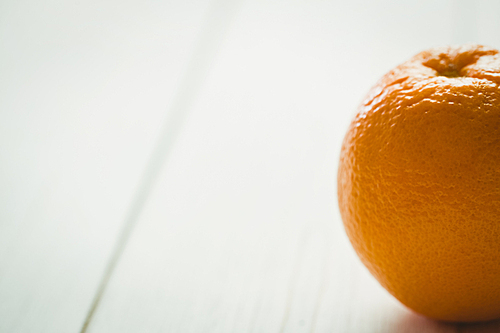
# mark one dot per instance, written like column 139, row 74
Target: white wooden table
column 170, row 166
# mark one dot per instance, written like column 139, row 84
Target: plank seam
column 213, row 30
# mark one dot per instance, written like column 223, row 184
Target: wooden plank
column 242, row 232
column 487, row 13
column 84, row 89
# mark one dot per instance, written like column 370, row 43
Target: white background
column 170, row 166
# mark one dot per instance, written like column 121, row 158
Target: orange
column 419, row 183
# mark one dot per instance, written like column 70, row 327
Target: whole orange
column 419, row 183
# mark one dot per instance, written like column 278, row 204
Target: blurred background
column 170, row 166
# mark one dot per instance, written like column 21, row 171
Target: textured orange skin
column 419, row 183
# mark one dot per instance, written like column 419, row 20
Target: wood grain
column 83, row 92
column 241, row 232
